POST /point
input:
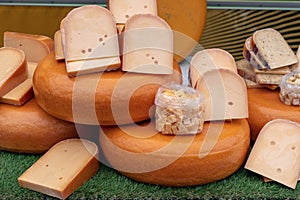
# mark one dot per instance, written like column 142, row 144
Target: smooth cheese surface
column 59, row 53
column 62, row 169
column 147, row 45
column 124, row 9
column 36, row 47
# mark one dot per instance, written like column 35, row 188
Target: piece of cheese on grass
column 209, row 59
column 59, row 53
column 36, row 47
column 225, row 95
column 124, row 9
column 62, row 169
column 275, row 154
column 13, row 69
column 89, row 34
column 147, row 45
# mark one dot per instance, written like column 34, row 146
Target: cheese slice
column 124, row 9
column 275, row 154
column 59, row 53
column 62, row 169
column 225, row 95
column 147, row 45
column 13, row 69
column 36, row 47
column 89, row 33
column 209, row 59
column 249, row 55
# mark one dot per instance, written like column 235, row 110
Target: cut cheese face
column 208, row 59
column 147, row 45
column 249, row 55
column 59, row 53
column 62, row 169
column 275, row 154
column 13, row 69
column 89, row 33
column 35, row 47
column 225, row 95
column 124, row 9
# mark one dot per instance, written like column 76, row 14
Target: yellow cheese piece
column 275, row 154
column 225, row 95
column 59, row 53
column 209, row 59
column 95, row 26
column 36, row 47
column 13, row 69
column 124, row 9
column 62, row 169
column 147, row 45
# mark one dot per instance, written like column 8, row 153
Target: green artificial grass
column 109, row 184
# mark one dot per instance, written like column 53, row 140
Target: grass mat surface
column 108, row 184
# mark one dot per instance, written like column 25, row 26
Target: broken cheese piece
column 62, row 169
column 36, row 47
column 95, row 26
column 13, row 69
column 147, row 45
column 275, row 154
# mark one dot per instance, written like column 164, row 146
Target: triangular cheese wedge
column 225, row 95
column 147, row 45
column 208, row 59
column 275, row 154
column 89, row 34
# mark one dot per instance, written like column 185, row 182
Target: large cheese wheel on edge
column 107, row 98
column 28, row 129
column 144, row 155
column 265, row 106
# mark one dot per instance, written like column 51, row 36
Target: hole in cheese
column 60, row 178
column 279, row 170
column 272, row 143
column 126, row 16
column 145, row 6
column 293, row 148
column 83, row 51
column 89, row 50
column 230, row 103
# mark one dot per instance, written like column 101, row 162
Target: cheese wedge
column 13, row 69
column 249, row 55
column 124, row 9
column 225, row 95
column 59, row 53
column 36, row 47
column 147, row 45
column 95, row 26
column 275, row 154
column 62, row 169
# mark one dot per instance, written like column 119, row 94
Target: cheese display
column 13, row 69
column 179, row 110
column 276, row 154
column 100, row 49
column 151, row 38
column 143, row 154
column 35, row 46
column 62, row 169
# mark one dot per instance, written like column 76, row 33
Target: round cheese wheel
column 108, row 98
column 265, row 106
column 28, row 129
column 143, row 154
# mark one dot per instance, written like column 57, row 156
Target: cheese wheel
column 143, row 154
column 265, row 106
column 107, row 98
column 28, row 129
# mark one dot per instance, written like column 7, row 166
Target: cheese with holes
column 147, row 45
column 62, row 169
column 36, row 47
column 13, row 69
column 95, row 26
column 275, row 154
column 59, row 53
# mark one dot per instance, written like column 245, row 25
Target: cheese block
column 225, row 95
column 272, row 54
column 107, row 98
column 95, row 26
column 35, row 46
column 276, row 154
column 59, row 53
column 208, row 59
column 62, row 169
column 249, row 55
column 29, row 129
column 143, row 154
column 13, row 70
column 147, row 45
column 124, row 9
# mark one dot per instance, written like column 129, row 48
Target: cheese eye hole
column 126, row 16
column 272, row 143
column 100, row 39
column 230, row 103
column 89, row 50
column 279, row 170
column 156, row 62
column 83, row 51
column 145, row 6
column 293, row 148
